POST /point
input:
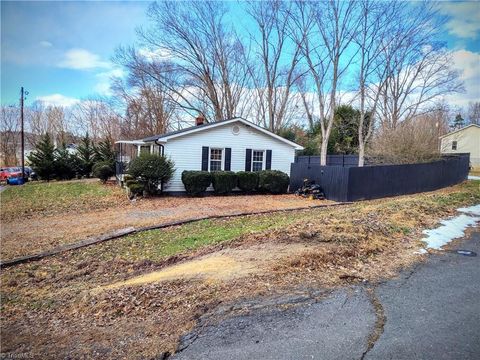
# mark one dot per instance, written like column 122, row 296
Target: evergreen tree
column 344, row 136
column 86, row 156
column 459, row 122
column 104, row 152
column 42, row 159
column 64, row 164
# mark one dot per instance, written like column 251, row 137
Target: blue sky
column 60, row 51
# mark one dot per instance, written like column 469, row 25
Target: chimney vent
column 199, row 120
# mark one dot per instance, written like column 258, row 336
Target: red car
column 8, row 172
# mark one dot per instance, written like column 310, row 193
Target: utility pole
column 22, row 135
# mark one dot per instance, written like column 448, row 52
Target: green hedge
column 151, row 170
column 196, row 182
column 136, row 189
column 273, row 181
column 247, row 180
column 128, row 183
column 224, row 181
column 103, row 170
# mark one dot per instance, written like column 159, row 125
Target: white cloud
column 468, row 63
column 81, row 59
column 105, row 79
column 158, row 54
column 57, row 100
column 45, row 44
column 464, row 18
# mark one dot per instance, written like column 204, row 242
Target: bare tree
column 205, row 55
column 325, row 32
column 419, row 67
column 414, row 140
column 9, row 131
column 54, row 120
column 96, row 117
column 474, row 112
column 374, row 39
column 275, row 60
column 147, row 103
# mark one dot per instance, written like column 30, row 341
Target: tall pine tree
column 105, row 152
column 87, row 156
column 65, row 164
column 459, row 122
column 42, row 159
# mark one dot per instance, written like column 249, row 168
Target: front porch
column 127, row 150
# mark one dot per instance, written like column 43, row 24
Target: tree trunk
column 323, row 152
column 361, row 154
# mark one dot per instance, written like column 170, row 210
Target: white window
column 257, row 160
column 216, row 159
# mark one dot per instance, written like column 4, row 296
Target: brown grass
column 53, row 308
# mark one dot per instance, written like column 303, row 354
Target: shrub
column 273, row 181
column 127, row 177
column 130, row 182
column 136, row 189
column 224, row 181
column 247, row 180
column 151, row 170
column 196, row 182
column 103, row 170
column 412, row 141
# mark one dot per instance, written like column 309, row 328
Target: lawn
column 74, row 304
column 39, row 216
column 41, row 198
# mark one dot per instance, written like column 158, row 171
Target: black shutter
column 268, row 161
column 204, row 158
column 228, row 158
column 248, row 160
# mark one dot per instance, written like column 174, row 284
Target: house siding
column 468, row 141
column 186, row 151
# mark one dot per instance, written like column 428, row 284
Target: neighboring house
column 465, row 140
column 234, row 144
column 72, row 149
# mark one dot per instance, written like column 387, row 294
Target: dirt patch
column 223, row 265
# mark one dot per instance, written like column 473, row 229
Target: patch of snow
column 453, row 228
column 472, row 177
column 420, row 251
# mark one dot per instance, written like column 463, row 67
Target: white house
column 234, row 144
column 464, row 140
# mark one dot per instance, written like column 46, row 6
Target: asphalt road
column 430, row 312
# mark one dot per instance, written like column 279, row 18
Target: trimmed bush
column 136, row 189
column 127, row 177
column 247, row 180
column 130, row 182
column 224, row 181
column 103, row 170
column 151, row 170
column 273, row 181
column 196, row 182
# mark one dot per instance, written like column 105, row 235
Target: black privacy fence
column 351, row 183
column 332, row 160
